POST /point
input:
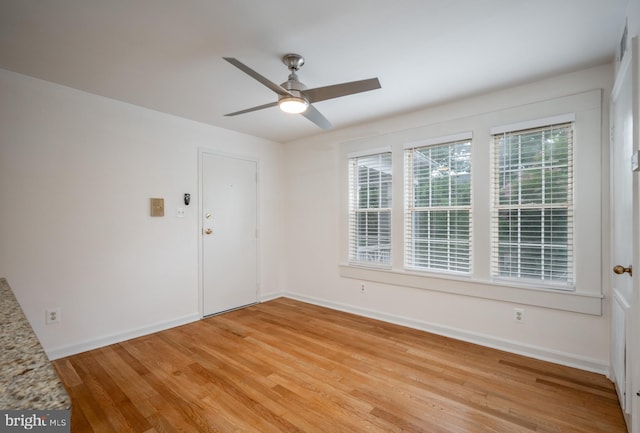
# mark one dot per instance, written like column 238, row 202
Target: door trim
column 207, row 151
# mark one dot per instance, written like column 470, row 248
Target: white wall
column 315, row 238
column 76, row 174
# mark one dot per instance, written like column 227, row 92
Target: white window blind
column 532, row 217
column 438, row 207
column 370, row 186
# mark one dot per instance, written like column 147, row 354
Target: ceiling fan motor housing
column 295, row 87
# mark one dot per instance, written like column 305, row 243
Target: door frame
column 202, row 151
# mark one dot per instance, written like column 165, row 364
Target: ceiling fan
column 294, row 97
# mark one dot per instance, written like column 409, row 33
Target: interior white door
column 624, row 240
column 229, row 231
column 635, row 299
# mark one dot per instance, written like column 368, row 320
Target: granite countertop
column 27, row 378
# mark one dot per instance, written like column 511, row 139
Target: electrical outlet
column 362, row 288
column 518, row 315
column 52, row 315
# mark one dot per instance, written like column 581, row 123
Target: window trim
column 580, row 302
column 534, row 123
column 443, row 139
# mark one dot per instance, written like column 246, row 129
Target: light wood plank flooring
column 287, row 366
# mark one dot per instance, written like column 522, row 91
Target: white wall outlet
column 52, row 315
column 362, row 288
column 518, row 315
column 180, row 212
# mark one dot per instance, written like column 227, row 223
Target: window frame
column 520, row 129
column 354, row 210
column 410, row 208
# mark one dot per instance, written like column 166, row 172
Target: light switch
column 157, row 207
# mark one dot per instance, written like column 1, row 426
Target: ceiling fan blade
column 338, row 90
column 249, row 110
column 247, row 70
column 316, row 117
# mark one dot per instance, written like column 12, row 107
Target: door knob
column 619, row 269
column 208, row 231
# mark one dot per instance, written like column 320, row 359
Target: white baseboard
column 536, row 352
column 264, row 297
column 73, row 349
column 531, row 351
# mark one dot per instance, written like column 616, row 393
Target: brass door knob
column 208, row 231
column 619, row 269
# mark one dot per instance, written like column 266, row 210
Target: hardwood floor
column 287, row 366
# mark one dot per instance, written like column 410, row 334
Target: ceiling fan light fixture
column 293, row 105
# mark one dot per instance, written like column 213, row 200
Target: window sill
column 573, row 301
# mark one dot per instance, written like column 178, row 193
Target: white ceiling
column 167, row 54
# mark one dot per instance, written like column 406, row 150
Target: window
column 510, row 210
column 370, row 209
column 438, row 207
column 532, row 218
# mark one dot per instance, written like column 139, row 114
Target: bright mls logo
column 53, row 421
